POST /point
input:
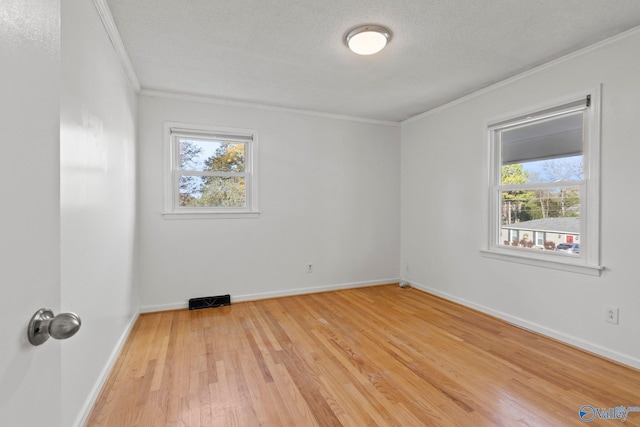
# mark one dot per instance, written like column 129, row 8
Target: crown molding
column 116, row 41
column 161, row 93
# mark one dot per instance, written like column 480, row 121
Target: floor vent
column 208, row 302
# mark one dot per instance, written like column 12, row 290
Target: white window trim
column 589, row 260
column 537, row 234
column 171, row 208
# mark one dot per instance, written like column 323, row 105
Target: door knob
column 44, row 324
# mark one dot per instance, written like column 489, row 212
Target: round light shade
column 367, row 39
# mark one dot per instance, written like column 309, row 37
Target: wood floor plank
column 377, row 356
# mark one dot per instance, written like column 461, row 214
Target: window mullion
column 211, row 173
column 540, row 185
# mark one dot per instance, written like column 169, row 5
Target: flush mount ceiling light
column 367, row 39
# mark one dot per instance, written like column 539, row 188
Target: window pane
column 212, row 191
column 546, row 218
column 190, row 189
column 210, row 155
column 552, row 170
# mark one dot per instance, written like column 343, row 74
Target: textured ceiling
column 291, row 54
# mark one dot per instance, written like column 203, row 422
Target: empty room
column 319, row 213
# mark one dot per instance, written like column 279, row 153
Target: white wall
column 329, row 195
column 442, row 200
column 98, row 189
column 30, row 214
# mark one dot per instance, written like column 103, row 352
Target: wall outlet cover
column 611, row 314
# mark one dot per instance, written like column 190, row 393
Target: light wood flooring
column 372, row 356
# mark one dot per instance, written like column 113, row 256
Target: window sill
column 211, row 215
column 557, row 264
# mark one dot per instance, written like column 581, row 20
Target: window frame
column 588, row 262
column 172, row 172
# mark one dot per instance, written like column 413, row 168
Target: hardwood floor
column 371, row 356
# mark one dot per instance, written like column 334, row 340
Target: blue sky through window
column 553, row 170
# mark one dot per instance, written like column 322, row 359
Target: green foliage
column 516, row 203
column 514, row 174
column 227, row 158
column 525, row 205
column 223, row 192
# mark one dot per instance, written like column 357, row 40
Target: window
column 544, row 185
column 210, row 172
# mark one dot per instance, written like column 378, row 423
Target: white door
column 29, row 208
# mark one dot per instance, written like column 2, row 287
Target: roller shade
column 556, row 137
column 548, row 134
column 197, row 134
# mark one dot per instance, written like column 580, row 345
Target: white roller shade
column 556, row 137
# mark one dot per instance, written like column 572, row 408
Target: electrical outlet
column 309, row 268
column 611, row 314
column 406, row 267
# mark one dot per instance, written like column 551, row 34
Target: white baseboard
column 624, row 359
column 275, row 294
column 102, row 378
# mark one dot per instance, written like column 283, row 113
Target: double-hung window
column 543, row 172
column 210, row 172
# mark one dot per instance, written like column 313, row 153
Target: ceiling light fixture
column 367, row 39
